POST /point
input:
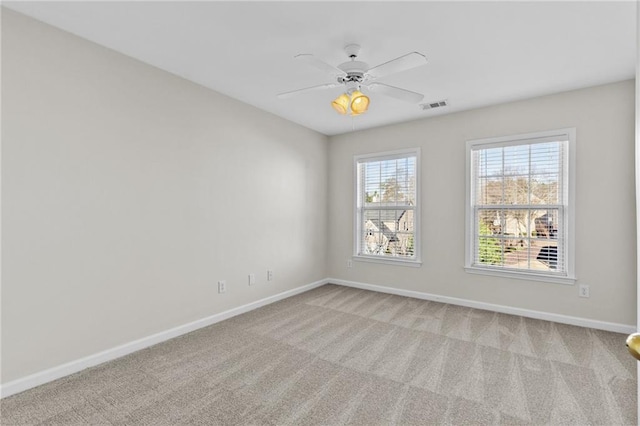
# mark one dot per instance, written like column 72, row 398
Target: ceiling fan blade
column 403, row 63
column 288, row 95
column 395, row 92
column 321, row 65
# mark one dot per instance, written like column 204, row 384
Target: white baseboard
column 42, row 377
column 564, row 319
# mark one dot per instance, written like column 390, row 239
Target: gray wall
column 605, row 203
column 128, row 192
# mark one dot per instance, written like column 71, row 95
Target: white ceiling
column 479, row 53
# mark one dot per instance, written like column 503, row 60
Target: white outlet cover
column 584, row 290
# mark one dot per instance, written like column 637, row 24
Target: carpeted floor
column 338, row 355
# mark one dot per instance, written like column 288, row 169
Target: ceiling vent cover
column 432, row 105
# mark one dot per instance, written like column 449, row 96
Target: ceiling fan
column 356, row 75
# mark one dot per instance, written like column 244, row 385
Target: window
column 519, row 206
column 387, row 207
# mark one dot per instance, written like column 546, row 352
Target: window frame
column 357, row 199
column 568, row 170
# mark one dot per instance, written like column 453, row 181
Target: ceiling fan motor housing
column 355, row 71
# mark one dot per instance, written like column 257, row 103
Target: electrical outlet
column 222, row 286
column 269, row 275
column 252, row 279
column 584, row 290
column 349, row 263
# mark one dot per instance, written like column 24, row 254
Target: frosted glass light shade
column 359, row 102
column 341, row 103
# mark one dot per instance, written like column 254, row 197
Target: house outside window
column 520, row 206
column 387, row 207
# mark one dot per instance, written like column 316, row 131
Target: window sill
column 388, row 261
column 521, row 275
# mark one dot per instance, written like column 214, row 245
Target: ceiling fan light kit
column 357, row 75
column 356, row 102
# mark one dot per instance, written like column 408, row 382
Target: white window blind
column 386, row 206
column 519, row 204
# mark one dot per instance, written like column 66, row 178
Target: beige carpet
column 337, row 355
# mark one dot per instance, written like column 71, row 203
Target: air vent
column 432, row 105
